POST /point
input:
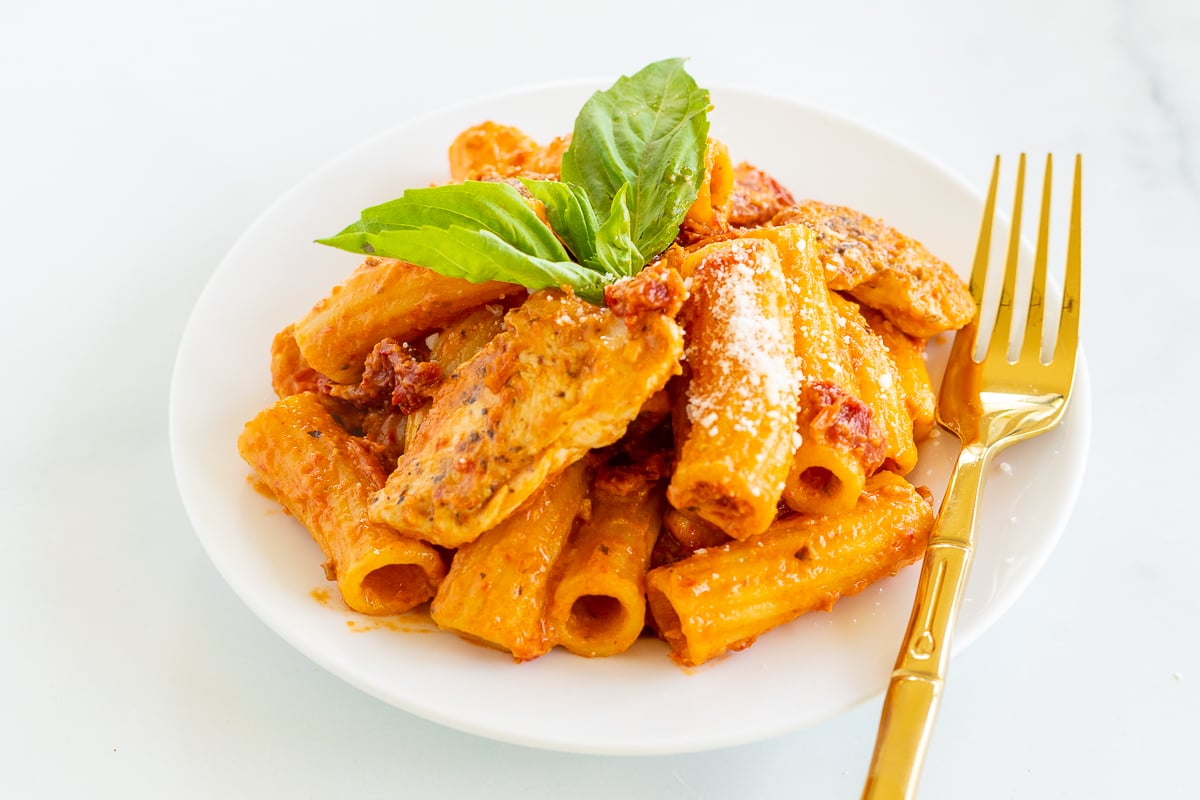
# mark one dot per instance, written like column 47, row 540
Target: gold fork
column 988, row 405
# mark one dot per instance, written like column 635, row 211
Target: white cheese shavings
column 751, row 364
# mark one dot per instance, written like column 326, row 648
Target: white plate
column 639, row 702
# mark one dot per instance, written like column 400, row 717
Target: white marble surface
column 140, row 139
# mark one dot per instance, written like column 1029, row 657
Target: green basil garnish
column 632, row 170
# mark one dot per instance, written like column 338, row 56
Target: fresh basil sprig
column 632, row 170
column 648, row 133
column 477, row 230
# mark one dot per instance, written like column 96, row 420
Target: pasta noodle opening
column 596, row 615
column 393, row 582
column 821, row 480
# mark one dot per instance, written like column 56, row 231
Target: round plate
column 639, row 702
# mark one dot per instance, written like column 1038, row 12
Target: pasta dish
column 611, row 384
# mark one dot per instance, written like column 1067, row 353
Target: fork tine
column 984, row 248
column 1067, row 338
column 1031, row 343
column 1002, row 329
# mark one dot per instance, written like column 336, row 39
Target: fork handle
column 915, row 690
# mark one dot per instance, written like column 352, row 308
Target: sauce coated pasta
column 714, row 449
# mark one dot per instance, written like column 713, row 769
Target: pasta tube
column 489, row 151
column 709, row 213
column 599, row 602
column 757, row 197
column 563, row 378
column 324, row 478
column 908, row 354
column 487, row 145
column 384, row 298
column 722, row 598
column 741, row 398
column 880, row 386
column 290, row 373
column 498, row 586
column 840, row 443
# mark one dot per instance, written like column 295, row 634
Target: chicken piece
column 564, row 377
column 453, row 346
column 884, row 269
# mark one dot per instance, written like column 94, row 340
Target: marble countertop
column 140, row 139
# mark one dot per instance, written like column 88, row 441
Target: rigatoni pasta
column 498, row 586
column 741, row 395
column 908, row 354
column 598, row 606
column 839, row 441
column 493, row 151
column 384, row 298
column 705, row 448
column 323, row 477
column 722, row 598
column 879, row 385
column 709, row 214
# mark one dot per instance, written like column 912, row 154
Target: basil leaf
column 478, row 231
column 572, row 217
column 495, row 207
column 475, row 255
column 649, row 131
column 614, row 243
